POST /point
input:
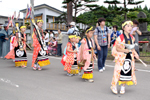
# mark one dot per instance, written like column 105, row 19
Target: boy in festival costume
column 86, row 52
column 16, row 53
column 40, row 57
column 71, row 57
column 125, row 64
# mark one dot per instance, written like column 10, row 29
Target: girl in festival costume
column 40, row 57
column 86, row 52
column 125, row 64
column 78, row 44
column 71, row 57
column 20, row 56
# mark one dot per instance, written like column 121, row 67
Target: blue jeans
column 102, row 55
column 59, row 51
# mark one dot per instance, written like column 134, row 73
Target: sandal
column 122, row 90
column 114, row 90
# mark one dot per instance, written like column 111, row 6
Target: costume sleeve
column 83, row 41
column 114, row 51
column 35, row 41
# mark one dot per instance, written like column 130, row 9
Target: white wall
column 51, row 12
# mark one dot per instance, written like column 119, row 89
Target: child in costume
column 40, row 57
column 78, row 44
column 71, row 57
column 124, row 73
column 86, row 52
column 16, row 53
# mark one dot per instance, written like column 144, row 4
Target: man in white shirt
column 46, row 37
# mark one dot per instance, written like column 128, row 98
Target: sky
column 9, row 6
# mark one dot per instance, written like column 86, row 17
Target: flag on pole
column 18, row 16
column 27, row 11
column 8, row 19
column 30, row 12
column 14, row 15
column 10, row 22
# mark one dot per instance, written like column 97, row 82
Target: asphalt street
column 52, row 83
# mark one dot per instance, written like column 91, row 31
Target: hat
column 89, row 29
column 72, row 23
column 127, row 22
column 40, row 21
column 22, row 27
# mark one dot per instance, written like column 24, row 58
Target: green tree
column 80, row 5
column 124, row 9
column 145, row 8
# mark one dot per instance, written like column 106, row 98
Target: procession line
column 141, row 70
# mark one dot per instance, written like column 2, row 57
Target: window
column 6, row 22
column 47, row 20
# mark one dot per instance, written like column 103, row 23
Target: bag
column 82, row 63
column 63, row 60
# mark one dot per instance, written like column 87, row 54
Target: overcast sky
column 9, row 6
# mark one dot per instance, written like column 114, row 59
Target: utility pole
column 32, row 16
column 69, row 12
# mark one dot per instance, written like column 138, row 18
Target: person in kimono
column 6, row 43
column 71, row 57
column 86, row 52
column 40, row 57
column 124, row 73
column 20, row 56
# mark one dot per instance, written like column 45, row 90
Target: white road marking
column 141, row 70
column 8, row 82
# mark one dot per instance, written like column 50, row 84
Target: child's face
column 77, row 40
column 40, row 24
column 90, row 34
column 23, row 29
column 128, row 28
column 72, row 39
column 53, row 40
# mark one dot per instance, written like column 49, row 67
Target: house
column 49, row 15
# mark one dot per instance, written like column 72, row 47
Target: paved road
column 52, row 83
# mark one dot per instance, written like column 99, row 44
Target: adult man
column 6, row 43
column 59, row 40
column 135, row 32
column 102, row 40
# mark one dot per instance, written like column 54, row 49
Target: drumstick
column 142, row 62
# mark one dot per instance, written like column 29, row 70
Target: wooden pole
column 32, row 15
column 69, row 12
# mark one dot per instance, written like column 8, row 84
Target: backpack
column 104, row 29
